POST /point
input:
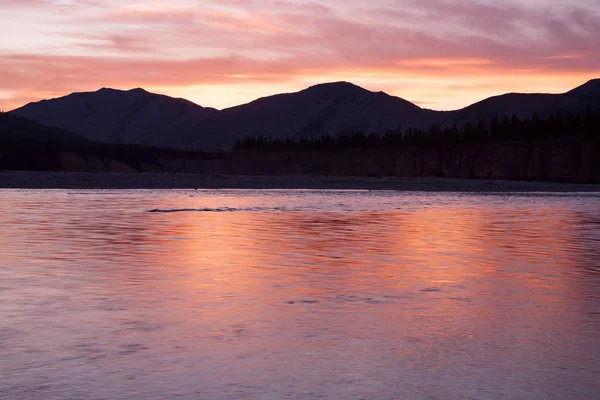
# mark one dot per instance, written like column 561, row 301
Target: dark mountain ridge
column 116, row 116
column 137, row 116
column 524, row 105
column 333, row 107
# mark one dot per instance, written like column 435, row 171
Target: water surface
column 298, row 294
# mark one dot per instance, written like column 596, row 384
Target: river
column 300, row 294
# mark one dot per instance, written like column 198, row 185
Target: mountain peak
column 112, row 90
column 341, row 85
column 107, row 90
column 335, row 83
column 138, row 90
column 595, row 83
column 590, row 87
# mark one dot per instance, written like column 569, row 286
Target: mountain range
column 137, row 116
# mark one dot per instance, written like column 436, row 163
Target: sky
column 439, row 54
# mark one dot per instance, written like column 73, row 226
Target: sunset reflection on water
column 303, row 293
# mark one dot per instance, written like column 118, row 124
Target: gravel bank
column 76, row 180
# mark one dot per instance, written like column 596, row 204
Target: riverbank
column 83, row 180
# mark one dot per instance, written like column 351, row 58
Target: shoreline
column 87, row 180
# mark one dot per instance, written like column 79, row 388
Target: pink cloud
column 173, row 44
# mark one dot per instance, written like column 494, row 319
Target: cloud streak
column 442, row 53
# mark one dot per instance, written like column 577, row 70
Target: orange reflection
column 482, row 282
column 236, row 266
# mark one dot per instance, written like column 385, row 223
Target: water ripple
column 301, row 294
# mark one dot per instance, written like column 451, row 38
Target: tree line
column 585, row 124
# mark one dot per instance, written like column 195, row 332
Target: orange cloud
column 434, row 52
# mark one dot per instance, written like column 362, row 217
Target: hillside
column 29, row 145
column 14, row 126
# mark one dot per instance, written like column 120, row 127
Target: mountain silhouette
column 115, row 116
column 137, row 116
column 327, row 108
column 525, row 105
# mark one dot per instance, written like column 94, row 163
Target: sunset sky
column 440, row 54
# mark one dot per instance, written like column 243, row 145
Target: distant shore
column 83, row 180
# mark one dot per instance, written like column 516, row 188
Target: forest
column 585, row 124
